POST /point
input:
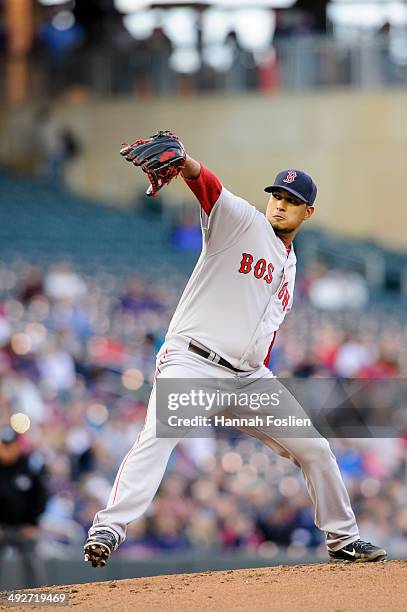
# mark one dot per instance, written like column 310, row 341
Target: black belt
column 201, row 350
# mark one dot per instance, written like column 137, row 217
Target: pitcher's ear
column 309, row 212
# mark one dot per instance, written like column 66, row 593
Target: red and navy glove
column 161, row 157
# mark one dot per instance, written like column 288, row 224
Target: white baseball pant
column 142, row 469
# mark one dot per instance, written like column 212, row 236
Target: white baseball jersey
column 242, row 286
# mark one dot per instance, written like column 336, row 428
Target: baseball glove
column 161, row 157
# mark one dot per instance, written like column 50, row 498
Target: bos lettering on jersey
column 263, row 270
column 283, row 294
column 259, row 268
column 241, row 288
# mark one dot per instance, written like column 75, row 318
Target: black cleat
column 358, row 551
column 98, row 547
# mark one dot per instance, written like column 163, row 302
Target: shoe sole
column 96, row 553
column 374, row 558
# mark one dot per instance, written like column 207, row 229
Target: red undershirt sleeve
column 206, row 188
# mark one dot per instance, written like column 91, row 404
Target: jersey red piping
column 267, row 359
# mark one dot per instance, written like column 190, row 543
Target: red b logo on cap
column 291, row 176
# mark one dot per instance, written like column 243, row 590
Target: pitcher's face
column 285, row 212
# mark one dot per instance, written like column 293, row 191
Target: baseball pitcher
column 223, row 328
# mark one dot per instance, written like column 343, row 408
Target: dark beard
column 282, row 232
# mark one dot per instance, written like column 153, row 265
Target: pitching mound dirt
column 306, row 588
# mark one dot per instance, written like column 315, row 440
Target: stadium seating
column 46, row 223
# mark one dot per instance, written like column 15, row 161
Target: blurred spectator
column 337, row 290
column 202, row 532
column 23, row 395
column 187, row 235
column 59, row 38
column 5, row 328
column 138, row 544
column 57, row 368
column 167, row 533
column 234, row 75
column 239, row 531
column 32, row 285
column 62, row 282
column 353, row 356
column 23, row 496
column 277, row 523
column 56, row 145
column 160, row 50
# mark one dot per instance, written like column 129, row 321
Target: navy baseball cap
column 296, row 182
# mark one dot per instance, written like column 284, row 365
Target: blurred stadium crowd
column 78, row 343
column 116, row 47
column 248, row 47
column 77, row 356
